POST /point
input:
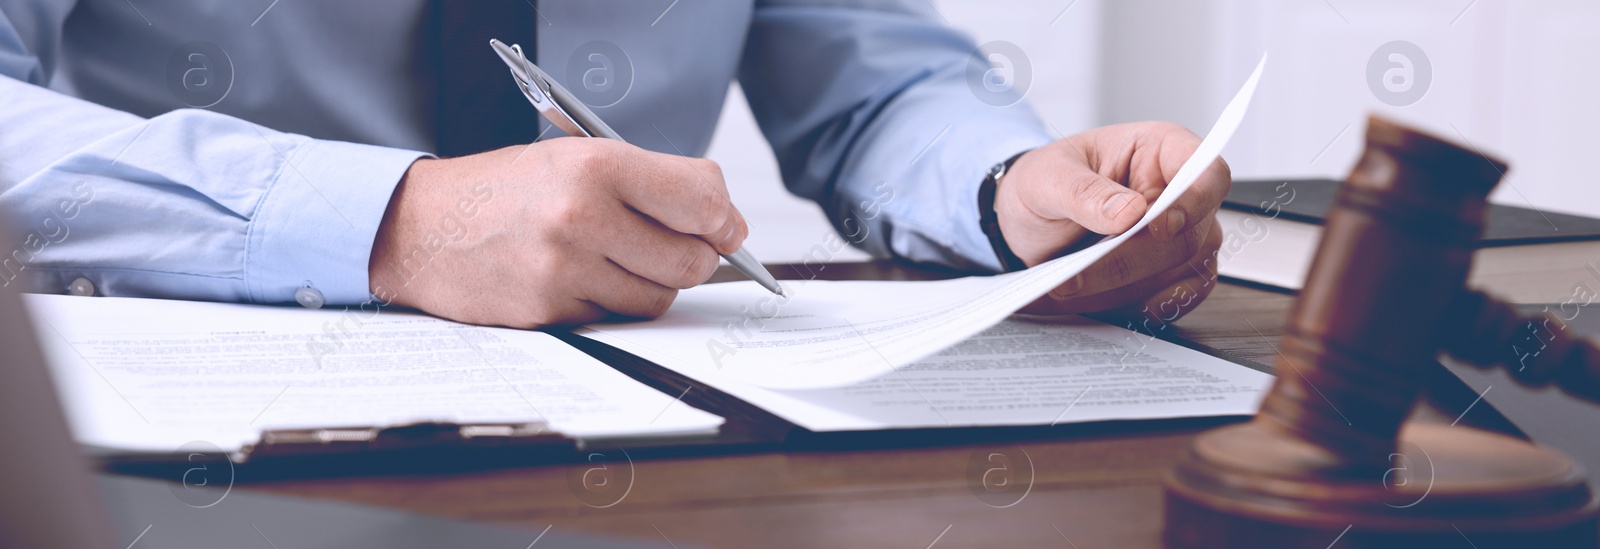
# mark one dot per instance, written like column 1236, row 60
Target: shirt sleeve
column 874, row 113
column 189, row 204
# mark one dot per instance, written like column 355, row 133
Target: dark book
column 1309, row 200
column 1271, row 229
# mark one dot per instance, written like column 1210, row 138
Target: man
column 276, row 153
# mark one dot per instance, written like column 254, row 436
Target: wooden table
column 1100, row 489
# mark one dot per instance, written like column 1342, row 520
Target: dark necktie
column 478, row 107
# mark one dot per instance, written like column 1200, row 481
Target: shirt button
column 308, row 297
column 81, row 287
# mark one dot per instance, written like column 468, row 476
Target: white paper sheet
column 832, row 334
column 151, row 375
column 1019, row 372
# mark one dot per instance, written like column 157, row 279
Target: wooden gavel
column 1330, row 455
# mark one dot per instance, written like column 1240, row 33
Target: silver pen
column 564, row 110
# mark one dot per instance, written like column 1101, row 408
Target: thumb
column 731, row 235
column 1089, row 199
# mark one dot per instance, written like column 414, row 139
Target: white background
column 1517, row 79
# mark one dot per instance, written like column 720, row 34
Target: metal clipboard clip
column 400, row 438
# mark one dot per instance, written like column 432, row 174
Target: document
column 1022, row 371
column 146, row 375
column 832, row 334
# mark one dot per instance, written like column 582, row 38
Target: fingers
column 561, row 313
column 734, row 232
column 687, row 195
column 1080, row 297
column 488, row 305
column 615, row 289
column 1127, row 300
column 1176, row 145
column 1078, row 193
column 646, row 248
column 1142, row 256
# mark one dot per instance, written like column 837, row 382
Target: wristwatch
column 990, row 220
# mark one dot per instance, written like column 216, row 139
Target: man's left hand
column 1057, row 198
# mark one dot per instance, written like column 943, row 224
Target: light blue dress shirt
column 238, row 151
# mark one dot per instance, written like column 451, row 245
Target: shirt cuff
column 317, row 223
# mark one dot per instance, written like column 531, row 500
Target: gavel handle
column 1537, row 350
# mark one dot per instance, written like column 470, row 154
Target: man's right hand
column 560, row 232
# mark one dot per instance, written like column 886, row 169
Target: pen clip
column 536, row 88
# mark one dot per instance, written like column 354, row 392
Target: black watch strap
column 990, row 220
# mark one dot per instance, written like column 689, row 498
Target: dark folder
column 1308, row 201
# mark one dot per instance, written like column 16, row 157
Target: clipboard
column 411, row 448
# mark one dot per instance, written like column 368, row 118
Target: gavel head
column 1395, row 252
